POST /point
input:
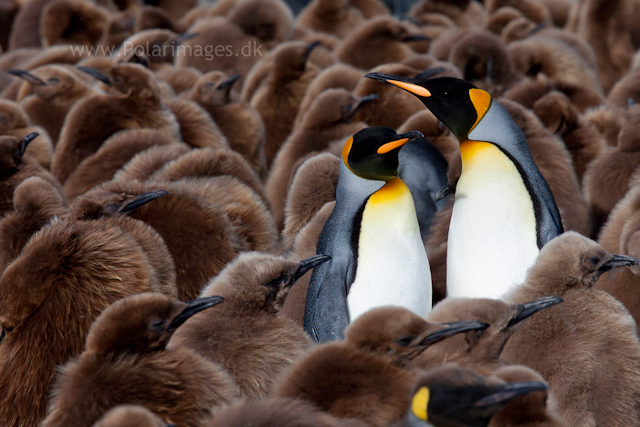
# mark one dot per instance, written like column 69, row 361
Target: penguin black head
column 372, row 153
column 455, row 102
column 455, row 396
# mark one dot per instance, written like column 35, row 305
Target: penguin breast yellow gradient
column 390, row 254
column 492, row 212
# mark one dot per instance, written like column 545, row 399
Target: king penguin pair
column 373, row 238
column 504, row 211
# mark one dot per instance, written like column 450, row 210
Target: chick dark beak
column 25, row 75
column 308, row 264
column 362, row 101
column 226, row 84
column 309, row 49
column 184, row 37
column 95, row 73
column 617, row 261
column 142, row 200
column 510, row 392
column 23, row 143
column 530, row 308
column 415, row 38
column 194, row 307
column 451, row 329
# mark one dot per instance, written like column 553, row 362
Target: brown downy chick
column 147, row 162
column 150, row 17
column 530, row 410
column 271, row 21
column 276, row 412
column 247, row 336
column 532, row 9
column 465, row 13
column 501, row 17
column 118, row 28
column 608, row 120
column 313, row 185
column 181, row 79
column 379, row 41
column 328, row 119
column 620, row 235
column 72, row 22
column 611, row 28
column 336, row 76
column 479, row 349
column 626, row 90
column 111, row 157
column 485, row 61
column 240, row 123
column 607, row 178
column 529, row 90
column 249, row 216
column 591, row 370
column 371, row 8
column 555, row 59
column 392, row 107
column 113, row 209
column 55, row 90
column 15, row 167
column 200, row 247
column 64, row 277
column 25, row 31
column 206, row 162
column 158, row 46
column 220, row 46
column 520, row 28
column 15, row 122
column 581, row 138
column 132, row 101
column 280, row 94
column 337, row 17
column 35, row 203
column 130, row 416
column 400, row 336
column 197, row 128
column 126, row 361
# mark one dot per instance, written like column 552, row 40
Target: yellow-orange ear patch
column 420, row 402
column 392, row 145
column 414, row 89
column 345, row 151
column 481, row 101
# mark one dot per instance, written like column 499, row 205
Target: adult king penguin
column 504, row 211
column 373, row 237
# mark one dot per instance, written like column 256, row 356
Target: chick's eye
column 405, row 341
column 157, row 324
column 594, row 260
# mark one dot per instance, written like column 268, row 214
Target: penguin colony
column 226, row 214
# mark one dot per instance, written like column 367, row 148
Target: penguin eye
column 53, row 80
column 157, row 324
column 594, row 260
column 405, row 341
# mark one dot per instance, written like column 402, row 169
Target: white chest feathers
column 392, row 268
column 492, row 236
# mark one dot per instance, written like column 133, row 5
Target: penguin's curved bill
column 617, row 261
column 401, row 82
column 403, row 138
column 27, row 76
column 510, row 392
column 24, row 143
column 184, row 37
column 194, row 307
column 95, row 73
column 309, row 49
column 308, row 264
column 142, row 199
column 228, row 82
column 532, row 307
column 451, row 329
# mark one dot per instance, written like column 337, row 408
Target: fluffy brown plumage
column 130, row 416
column 592, row 372
column 200, row 246
column 35, row 203
column 64, row 277
column 247, row 336
column 132, row 101
column 337, row 17
column 111, row 157
column 146, row 163
column 240, row 123
column 197, row 128
column 126, row 361
column 15, row 122
column 72, row 22
column 271, row 21
column 607, row 178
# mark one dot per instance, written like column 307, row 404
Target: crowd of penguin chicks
column 141, row 189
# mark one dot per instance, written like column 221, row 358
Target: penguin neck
column 352, row 186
